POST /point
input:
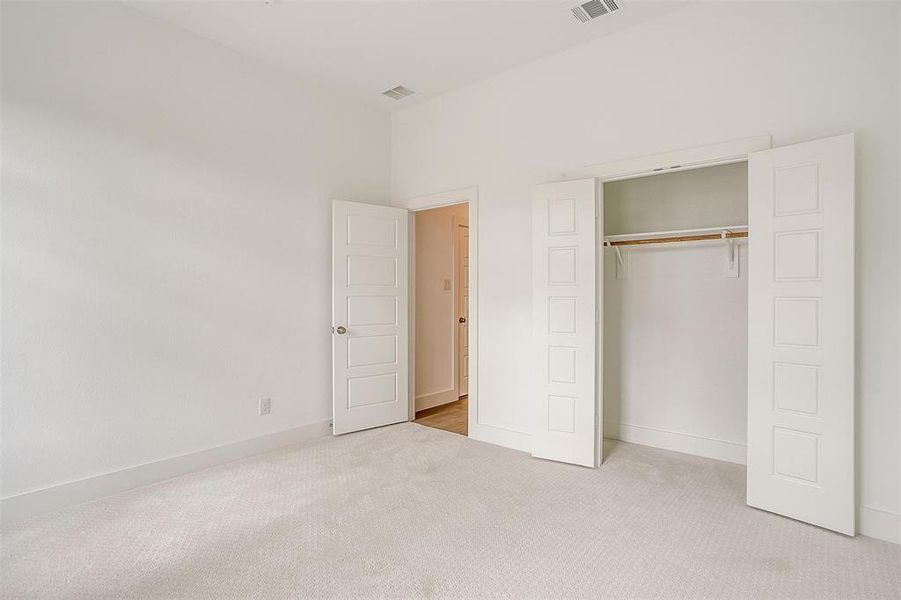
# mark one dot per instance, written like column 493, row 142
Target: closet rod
column 726, row 235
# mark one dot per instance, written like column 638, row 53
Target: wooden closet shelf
column 725, row 235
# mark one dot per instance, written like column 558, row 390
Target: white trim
column 599, row 229
column 469, row 195
column 678, row 160
column 436, row 399
column 677, row 441
column 879, row 524
column 29, row 504
column 411, row 318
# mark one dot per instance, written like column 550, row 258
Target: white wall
column 435, row 312
column 890, row 514
column 166, row 240
column 708, row 197
column 675, row 327
column 708, row 73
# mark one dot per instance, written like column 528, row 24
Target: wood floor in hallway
column 453, row 416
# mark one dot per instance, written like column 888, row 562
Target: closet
column 703, row 301
column 675, row 311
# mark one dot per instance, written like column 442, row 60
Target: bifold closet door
column 564, row 325
column 369, row 316
column 801, row 332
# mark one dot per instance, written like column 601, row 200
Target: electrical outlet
column 265, row 406
column 447, row 285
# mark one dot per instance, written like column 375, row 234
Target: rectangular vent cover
column 593, row 9
column 398, row 92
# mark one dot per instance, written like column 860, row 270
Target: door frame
column 456, row 224
column 646, row 166
column 470, row 196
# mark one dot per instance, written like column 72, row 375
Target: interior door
column 461, row 239
column 369, row 316
column 801, row 332
column 564, row 321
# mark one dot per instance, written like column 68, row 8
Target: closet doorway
column 441, row 317
column 675, row 311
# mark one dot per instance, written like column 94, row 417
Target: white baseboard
column 436, row 399
column 733, row 452
column 880, row 524
column 29, row 504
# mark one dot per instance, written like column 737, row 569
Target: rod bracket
column 622, row 270
column 621, row 260
column 731, row 255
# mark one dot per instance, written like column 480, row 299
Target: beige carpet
column 408, row 511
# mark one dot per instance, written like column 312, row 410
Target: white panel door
column 801, row 332
column 461, row 301
column 369, row 316
column 564, row 326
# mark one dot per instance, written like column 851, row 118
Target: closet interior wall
column 675, row 322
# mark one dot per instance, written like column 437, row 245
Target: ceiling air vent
column 593, row 9
column 399, row 92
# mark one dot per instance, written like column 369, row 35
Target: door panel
column 369, row 316
column 564, row 326
column 801, row 332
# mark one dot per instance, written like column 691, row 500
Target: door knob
column 341, row 330
column 462, row 319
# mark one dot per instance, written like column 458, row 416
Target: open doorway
column 441, row 317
